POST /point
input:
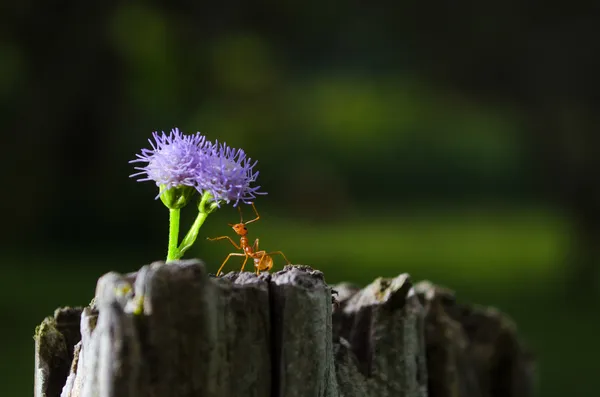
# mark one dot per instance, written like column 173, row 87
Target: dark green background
column 456, row 141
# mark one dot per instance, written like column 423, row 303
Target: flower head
column 175, row 160
column 227, row 174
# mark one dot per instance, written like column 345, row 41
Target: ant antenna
column 241, row 216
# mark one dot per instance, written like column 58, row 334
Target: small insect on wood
column 263, row 260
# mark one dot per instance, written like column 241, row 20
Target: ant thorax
column 245, row 243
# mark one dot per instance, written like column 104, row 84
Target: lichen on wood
column 55, row 339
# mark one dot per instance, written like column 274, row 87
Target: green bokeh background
column 454, row 142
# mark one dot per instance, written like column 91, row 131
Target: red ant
column 262, row 259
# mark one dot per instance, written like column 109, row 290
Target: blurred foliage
column 457, row 144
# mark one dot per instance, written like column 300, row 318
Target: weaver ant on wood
column 262, row 259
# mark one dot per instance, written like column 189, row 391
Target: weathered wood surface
column 472, row 350
column 173, row 330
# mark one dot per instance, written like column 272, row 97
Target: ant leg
column 263, row 258
column 259, row 262
column 245, row 260
column 255, row 249
column 225, row 237
column 280, row 253
column 225, row 261
column 257, row 216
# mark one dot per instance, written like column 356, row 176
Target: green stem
column 173, row 253
column 192, row 234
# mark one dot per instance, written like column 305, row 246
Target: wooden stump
column 173, row 330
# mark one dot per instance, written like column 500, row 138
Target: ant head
column 239, row 228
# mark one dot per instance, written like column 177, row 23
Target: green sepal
column 204, row 206
column 177, row 197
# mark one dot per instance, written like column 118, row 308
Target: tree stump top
column 174, row 330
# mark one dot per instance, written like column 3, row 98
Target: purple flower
column 228, row 175
column 190, row 161
column 175, row 160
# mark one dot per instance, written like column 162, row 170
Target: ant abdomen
column 262, row 261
